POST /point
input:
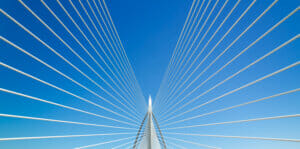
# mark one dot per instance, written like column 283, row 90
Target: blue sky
column 149, row 31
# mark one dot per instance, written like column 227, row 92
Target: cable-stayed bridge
column 232, row 80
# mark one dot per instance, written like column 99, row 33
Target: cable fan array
column 232, row 78
column 100, row 75
column 220, row 46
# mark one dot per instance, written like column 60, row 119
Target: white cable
column 232, row 43
column 241, row 16
column 103, row 41
column 114, row 48
column 64, row 75
column 77, row 26
column 225, row 19
column 93, row 35
column 102, row 143
column 122, row 145
column 61, row 121
column 207, row 31
column 238, row 121
column 62, row 106
column 65, row 136
column 178, row 146
column 173, row 55
column 45, row 44
column 53, row 86
column 176, row 50
column 195, row 143
column 174, row 87
column 258, row 39
column 111, row 37
column 239, row 88
column 122, row 51
column 189, row 30
column 74, row 52
column 76, row 39
column 199, row 32
column 119, row 71
column 239, row 137
column 233, row 107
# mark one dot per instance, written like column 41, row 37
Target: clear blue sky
column 149, row 31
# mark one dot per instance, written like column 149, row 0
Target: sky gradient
column 149, row 31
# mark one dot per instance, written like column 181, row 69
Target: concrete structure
column 149, row 139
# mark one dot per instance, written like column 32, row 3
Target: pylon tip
column 150, row 104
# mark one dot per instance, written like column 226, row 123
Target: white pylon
column 150, row 139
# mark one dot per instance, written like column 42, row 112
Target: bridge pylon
column 147, row 137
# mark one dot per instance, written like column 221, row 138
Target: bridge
column 232, row 80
